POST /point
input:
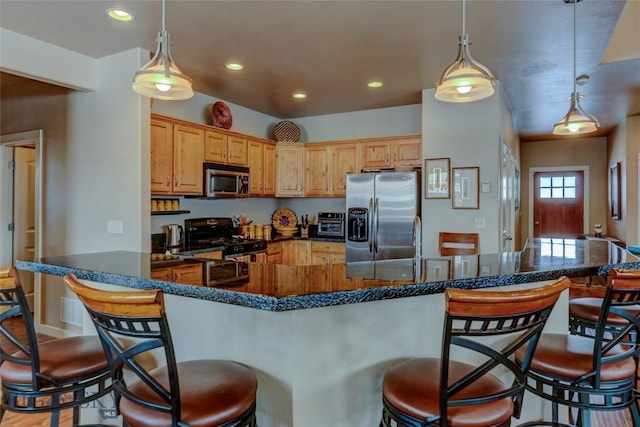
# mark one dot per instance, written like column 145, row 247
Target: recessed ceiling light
column 234, row 66
column 374, row 84
column 299, row 95
column 119, row 15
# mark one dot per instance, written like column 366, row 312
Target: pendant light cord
column 574, row 48
column 163, row 14
column 464, row 19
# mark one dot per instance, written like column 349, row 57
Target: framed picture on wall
column 614, row 191
column 466, row 194
column 437, row 177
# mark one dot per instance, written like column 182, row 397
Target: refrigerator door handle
column 417, row 236
column 370, row 224
column 375, row 225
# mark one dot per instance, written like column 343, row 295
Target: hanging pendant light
column 161, row 78
column 576, row 121
column 465, row 80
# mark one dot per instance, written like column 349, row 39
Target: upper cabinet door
column 316, row 178
column 161, row 157
column 375, row 154
column 269, row 169
column 343, row 160
column 256, row 170
column 215, row 147
column 290, row 169
column 407, row 152
column 188, row 156
column 237, row 151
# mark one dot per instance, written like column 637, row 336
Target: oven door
column 226, row 273
column 259, row 257
column 334, row 228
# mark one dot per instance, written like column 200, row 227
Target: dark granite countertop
column 283, row 287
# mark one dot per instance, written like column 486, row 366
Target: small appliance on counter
column 331, row 224
column 175, row 238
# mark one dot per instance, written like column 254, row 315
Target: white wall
column 405, row 120
column 468, row 134
column 106, row 159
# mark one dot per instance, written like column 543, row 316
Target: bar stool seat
column 61, row 360
column 588, row 308
column 211, row 393
column 571, row 356
column 417, row 395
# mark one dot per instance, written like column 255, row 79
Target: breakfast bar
column 320, row 337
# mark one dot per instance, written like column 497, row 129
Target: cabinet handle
column 168, row 181
column 175, row 180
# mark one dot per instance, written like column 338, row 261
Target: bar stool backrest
column 474, row 323
column 19, row 341
column 133, row 329
column 622, row 293
column 458, row 243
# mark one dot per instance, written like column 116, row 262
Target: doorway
column 20, row 193
column 558, row 203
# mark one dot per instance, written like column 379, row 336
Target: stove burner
column 203, row 233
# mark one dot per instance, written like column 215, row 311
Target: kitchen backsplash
column 258, row 209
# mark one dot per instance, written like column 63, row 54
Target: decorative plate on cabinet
column 221, row 115
column 286, row 131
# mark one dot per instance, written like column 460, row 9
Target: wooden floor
column 600, row 419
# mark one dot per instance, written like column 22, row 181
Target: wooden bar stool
column 134, row 331
column 595, row 371
column 47, row 377
column 584, row 311
column 472, row 390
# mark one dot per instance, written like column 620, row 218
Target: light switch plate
column 486, row 187
column 480, row 223
column 115, row 227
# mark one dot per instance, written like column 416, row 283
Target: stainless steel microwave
column 225, row 180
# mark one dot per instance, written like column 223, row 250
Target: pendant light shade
column 161, row 78
column 576, row 121
column 466, row 80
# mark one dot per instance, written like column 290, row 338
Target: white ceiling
column 331, row 49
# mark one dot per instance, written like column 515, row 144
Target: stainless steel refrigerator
column 383, row 216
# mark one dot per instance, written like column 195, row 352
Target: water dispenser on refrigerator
column 357, row 224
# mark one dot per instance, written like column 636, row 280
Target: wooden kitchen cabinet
column 190, row 274
column 391, row 152
column 262, row 168
column 223, row 148
column 161, row 157
column 327, row 252
column 289, row 169
column 375, row 154
column 408, row 152
column 317, row 158
column 237, row 151
column 327, row 166
column 344, row 159
column 274, row 252
column 176, row 158
column 296, row 252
